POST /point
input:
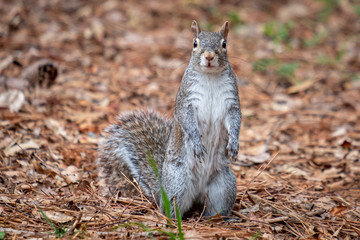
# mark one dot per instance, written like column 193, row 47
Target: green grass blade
column 164, row 197
column 170, row 234
column 141, row 225
column 57, row 231
column 45, row 217
column 153, row 165
column 146, row 228
column 256, row 236
column 166, row 203
column 178, row 218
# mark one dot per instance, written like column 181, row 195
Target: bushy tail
column 125, row 149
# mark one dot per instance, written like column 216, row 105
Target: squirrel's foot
column 233, row 148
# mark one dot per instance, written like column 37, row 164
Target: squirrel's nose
column 209, row 56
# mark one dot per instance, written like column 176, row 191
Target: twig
column 240, row 215
column 202, row 212
column 278, row 219
column 272, row 134
column 137, row 187
column 72, row 228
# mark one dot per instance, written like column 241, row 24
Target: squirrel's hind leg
column 221, row 194
column 178, row 185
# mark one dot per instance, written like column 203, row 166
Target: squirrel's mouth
column 207, row 65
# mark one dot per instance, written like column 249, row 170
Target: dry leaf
column 255, row 199
column 340, row 131
column 338, row 210
column 12, row 150
column 284, row 103
column 301, row 87
column 6, row 62
column 192, row 234
column 325, row 202
column 12, row 99
column 16, row 83
column 55, row 125
column 58, row 217
column 257, row 159
column 72, row 173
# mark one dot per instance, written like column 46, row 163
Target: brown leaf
column 13, row 149
column 346, row 145
column 338, row 210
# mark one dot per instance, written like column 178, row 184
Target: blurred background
column 278, row 46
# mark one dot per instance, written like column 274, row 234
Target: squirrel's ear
column 225, row 30
column 195, row 29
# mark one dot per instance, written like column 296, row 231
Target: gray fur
column 192, row 151
column 125, row 149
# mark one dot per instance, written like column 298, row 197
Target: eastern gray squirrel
column 193, row 150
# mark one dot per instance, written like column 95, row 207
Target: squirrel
column 192, row 151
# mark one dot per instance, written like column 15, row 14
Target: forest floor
column 67, row 68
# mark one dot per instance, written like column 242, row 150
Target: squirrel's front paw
column 199, row 151
column 233, row 148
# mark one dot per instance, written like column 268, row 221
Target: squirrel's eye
column 224, row 44
column 195, row 43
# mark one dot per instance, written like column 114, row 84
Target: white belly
column 210, row 108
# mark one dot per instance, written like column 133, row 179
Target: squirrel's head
column 209, row 49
